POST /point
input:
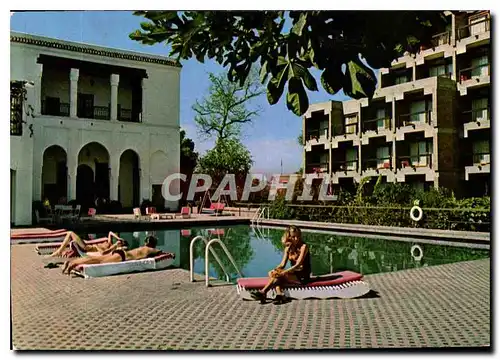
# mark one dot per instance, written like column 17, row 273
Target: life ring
column 420, row 213
column 420, row 252
column 136, row 234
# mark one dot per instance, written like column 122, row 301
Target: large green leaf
column 298, row 70
column 332, row 81
column 276, row 85
column 360, row 80
column 296, row 99
column 298, row 27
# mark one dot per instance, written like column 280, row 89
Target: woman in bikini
column 90, row 249
column 297, row 252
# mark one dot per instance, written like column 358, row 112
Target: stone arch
column 54, row 174
column 96, row 157
column 129, row 179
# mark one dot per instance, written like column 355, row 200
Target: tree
column 189, row 157
column 229, row 156
column 339, row 44
column 223, row 111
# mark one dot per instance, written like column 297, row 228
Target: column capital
column 74, row 74
column 114, row 79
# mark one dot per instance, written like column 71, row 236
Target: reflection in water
column 258, row 250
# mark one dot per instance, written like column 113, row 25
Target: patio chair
column 40, row 220
column 185, row 212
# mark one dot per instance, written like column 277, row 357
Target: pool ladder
column 260, row 214
column 208, row 250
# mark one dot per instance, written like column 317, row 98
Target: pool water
column 258, row 250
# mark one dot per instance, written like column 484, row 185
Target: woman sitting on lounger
column 298, row 253
column 116, row 255
column 90, row 249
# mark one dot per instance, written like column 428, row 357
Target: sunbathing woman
column 116, row 255
column 90, row 249
column 300, row 272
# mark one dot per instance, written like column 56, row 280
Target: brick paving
column 440, row 306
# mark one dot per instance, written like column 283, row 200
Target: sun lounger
column 30, row 237
column 98, row 270
column 47, row 249
column 345, row 284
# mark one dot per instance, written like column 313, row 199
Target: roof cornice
column 90, row 49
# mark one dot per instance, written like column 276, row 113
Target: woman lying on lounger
column 116, row 255
column 90, row 249
column 298, row 253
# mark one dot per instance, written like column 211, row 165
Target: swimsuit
column 121, row 253
column 304, row 274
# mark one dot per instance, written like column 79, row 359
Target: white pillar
column 114, row 80
column 37, row 103
column 114, row 177
column 71, row 163
column 73, row 94
column 144, row 84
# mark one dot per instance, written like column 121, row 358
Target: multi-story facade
column 428, row 123
column 95, row 122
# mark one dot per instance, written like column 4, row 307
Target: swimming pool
column 257, row 250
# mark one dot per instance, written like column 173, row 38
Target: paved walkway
column 446, row 305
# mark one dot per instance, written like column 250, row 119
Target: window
column 441, row 70
column 323, row 162
column 351, row 122
column 478, row 25
column 401, row 79
column 481, row 151
column 323, row 129
column 480, row 109
column 419, row 110
column 381, row 119
column 351, row 157
column 480, row 66
column 383, row 157
column 419, row 153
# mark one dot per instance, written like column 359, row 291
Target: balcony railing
column 482, row 158
column 317, row 167
column 377, row 163
column 415, row 118
column 477, row 28
column 316, row 133
column 481, row 114
column 468, row 73
column 62, row 110
column 346, row 165
column 373, row 124
column 125, row 115
column 441, row 39
column 414, row 161
column 101, row 113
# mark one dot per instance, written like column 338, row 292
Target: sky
column 271, row 137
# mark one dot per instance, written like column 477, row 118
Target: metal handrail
column 464, row 31
column 191, row 258
column 228, row 254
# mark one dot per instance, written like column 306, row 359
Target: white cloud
column 268, row 154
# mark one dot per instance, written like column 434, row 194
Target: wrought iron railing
column 465, row 31
column 414, row 161
column 475, row 114
column 415, row 118
column 62, row 110
column 468, row 73
column 125, row 115
column 372, row 124
column 101, row 113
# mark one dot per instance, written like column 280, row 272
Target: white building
column 96, row 122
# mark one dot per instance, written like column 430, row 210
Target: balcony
column 316, row 137
column 55, row 108
column 481, row 164
column 345, row 133
column 125, row 115
column 345, row 169
column 443, row 38
column 317, row 168
column 476, row 119
column 378, row 166
column 476, row 28
column 420, row 164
